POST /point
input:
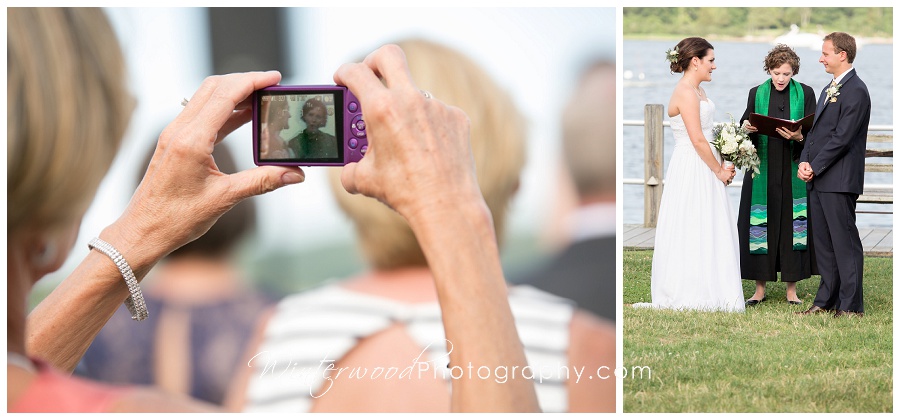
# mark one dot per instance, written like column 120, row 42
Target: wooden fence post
column 653, row 162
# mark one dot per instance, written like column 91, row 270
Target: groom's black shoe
column 751, row 302
column 814, row 310
column 847, row 314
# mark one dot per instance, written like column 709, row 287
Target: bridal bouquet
column 734, row 145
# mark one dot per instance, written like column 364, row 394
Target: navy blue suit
column 836, row 150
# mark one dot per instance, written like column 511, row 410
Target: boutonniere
column 832, row 93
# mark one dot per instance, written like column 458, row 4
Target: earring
column 46, row 256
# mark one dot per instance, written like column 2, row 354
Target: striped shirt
column 313, row 329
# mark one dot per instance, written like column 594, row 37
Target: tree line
column 755, row 21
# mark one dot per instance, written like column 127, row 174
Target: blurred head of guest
column 498, row 133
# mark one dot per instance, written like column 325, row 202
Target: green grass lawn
column 764, row 360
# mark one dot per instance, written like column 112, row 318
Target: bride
column 696, row 264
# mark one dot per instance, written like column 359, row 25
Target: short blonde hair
column 498, row 144
column 67, row 110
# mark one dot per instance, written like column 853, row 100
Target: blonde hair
column 67, row 110
column 498, row 146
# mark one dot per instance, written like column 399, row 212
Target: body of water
column 647, row 80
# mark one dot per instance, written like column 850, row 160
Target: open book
column 766, row 125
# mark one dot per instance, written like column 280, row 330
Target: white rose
column 729, row 147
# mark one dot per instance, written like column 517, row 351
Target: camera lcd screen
column 302, row 127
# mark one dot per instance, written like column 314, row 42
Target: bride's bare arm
column 685, row 100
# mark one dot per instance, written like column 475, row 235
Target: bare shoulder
column 591, row 333
column 682, row 97
column 592, row 348
column 378, row 375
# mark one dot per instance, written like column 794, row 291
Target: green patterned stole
column 759, row 238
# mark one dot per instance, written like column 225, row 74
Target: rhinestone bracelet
column 135, row 303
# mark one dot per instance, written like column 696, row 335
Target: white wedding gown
column 696, row 263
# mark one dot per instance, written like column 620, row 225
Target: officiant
column 772, row 219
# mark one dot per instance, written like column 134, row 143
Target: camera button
column 358, row 126
column 353, row 143
column 353, row 107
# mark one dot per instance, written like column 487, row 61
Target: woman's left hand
column 183, row 193
column 419, row 158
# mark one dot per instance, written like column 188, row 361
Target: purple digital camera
column 307, row 126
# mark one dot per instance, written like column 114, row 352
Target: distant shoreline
column 749, row 38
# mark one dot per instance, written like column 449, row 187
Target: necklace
column 697, row 89
column 21, row 361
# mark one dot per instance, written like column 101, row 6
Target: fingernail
column 291, row 178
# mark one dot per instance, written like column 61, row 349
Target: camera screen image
column 299, row 127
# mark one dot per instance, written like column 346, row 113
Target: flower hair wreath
column 672, row 55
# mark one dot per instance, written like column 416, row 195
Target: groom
column 832, row 164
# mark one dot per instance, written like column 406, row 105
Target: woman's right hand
column 747, row 127
column 183, row 192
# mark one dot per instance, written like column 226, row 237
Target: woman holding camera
column 65, row 60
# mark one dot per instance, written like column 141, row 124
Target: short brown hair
column 498, row 146
column 779, row 55
column 67, row 109
column 589, row 132
column 689, row 48
column 843, row 42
